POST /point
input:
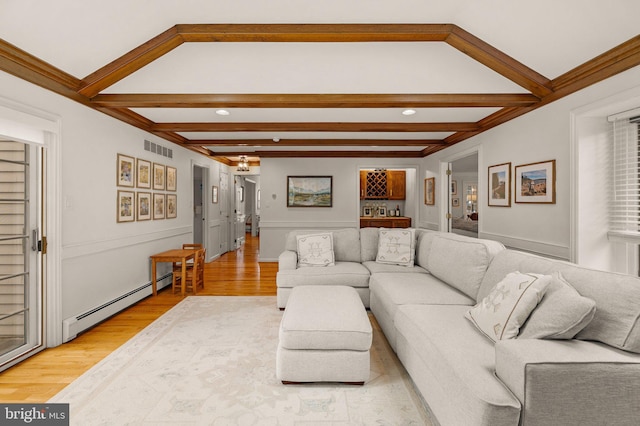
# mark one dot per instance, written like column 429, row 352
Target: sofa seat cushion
column 376, row 268
column 342, row 273
column 459, row 356
column 393, row 290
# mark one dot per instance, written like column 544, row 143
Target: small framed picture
column 158, row 206
column 143, row 206
column 454, row 187
column 143, row 173
column 455, row 202
column 172, row 206
column 214, row 194
column 126, row 203
column 367, row 211
column 500, row 185
column 430, row 191
column 158, row 176
column 536, row 183
column 241, row 193
column 125, row 170
column 172, row 178
column 382, row 211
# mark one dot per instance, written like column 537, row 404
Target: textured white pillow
column 562, row 314
column 500, row 315
column 396, row 246
column 315, row 250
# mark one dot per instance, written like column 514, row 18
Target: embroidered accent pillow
column 500, row 315
column 396, row 246
column 315, row 250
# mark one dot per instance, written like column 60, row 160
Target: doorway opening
column 463, row 202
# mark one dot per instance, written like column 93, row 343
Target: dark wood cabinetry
column 383, row 184
column 385, row 222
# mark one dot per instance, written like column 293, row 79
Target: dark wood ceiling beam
column 499, row 62
column 131, row 62
column 317, row 33
column 316, row 142
column 325, row 154
column 438, row 100
column 316, row 127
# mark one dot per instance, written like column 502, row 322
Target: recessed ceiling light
column 408, row 112
column 222, row 112
column 276, row 140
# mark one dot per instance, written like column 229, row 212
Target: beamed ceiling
column 296, row 100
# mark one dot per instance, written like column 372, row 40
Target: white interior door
column 225, row 217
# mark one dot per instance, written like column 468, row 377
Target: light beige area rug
column 211, row 361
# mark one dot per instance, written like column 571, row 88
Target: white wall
column 543, row 134
column 276, row 219
column 102, row 259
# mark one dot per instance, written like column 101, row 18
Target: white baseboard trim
column 307, row 225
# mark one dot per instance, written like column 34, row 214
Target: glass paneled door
column 20, row 246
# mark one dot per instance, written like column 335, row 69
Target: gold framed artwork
column 536, row 183
column 309, row 191
column 126, row 209
column 125, row 169
column 430, row 191
column 143, row 206
column 172, row 206
column 158, row 176
column 172, row 178
column 158, row 206
column 143, row 173
column 454, row 187
column 455, row 202
column 499, row 185
column 214, row 194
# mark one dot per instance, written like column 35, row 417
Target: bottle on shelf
column 398, row 210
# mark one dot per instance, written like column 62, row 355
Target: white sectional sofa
column 573, row 361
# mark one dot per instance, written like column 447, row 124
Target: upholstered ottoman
column 325, row 336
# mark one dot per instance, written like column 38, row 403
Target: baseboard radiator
column 74, row 325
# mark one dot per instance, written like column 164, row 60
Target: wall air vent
column 158, row 149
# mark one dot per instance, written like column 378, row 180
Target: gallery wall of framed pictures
column 146, row 190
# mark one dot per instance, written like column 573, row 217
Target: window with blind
column 625, row 206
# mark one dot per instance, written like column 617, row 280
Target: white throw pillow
column 500, row 315
column 315, row 250
column 396, row 246
column 562, row 314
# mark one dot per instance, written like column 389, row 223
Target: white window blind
column 625, row 206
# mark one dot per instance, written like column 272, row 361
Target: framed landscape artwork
column 143, row 174
column 536, row 182
column 126, row 206
column 309, row 191
column 430, row 191
column 500, row 185
column 125, row 170
column 143, row 206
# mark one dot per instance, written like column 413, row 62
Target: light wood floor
column 43, row 375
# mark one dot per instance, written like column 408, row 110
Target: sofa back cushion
column 369, row 244
column 461, row 261
column 346, row 243
column 616, row 321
